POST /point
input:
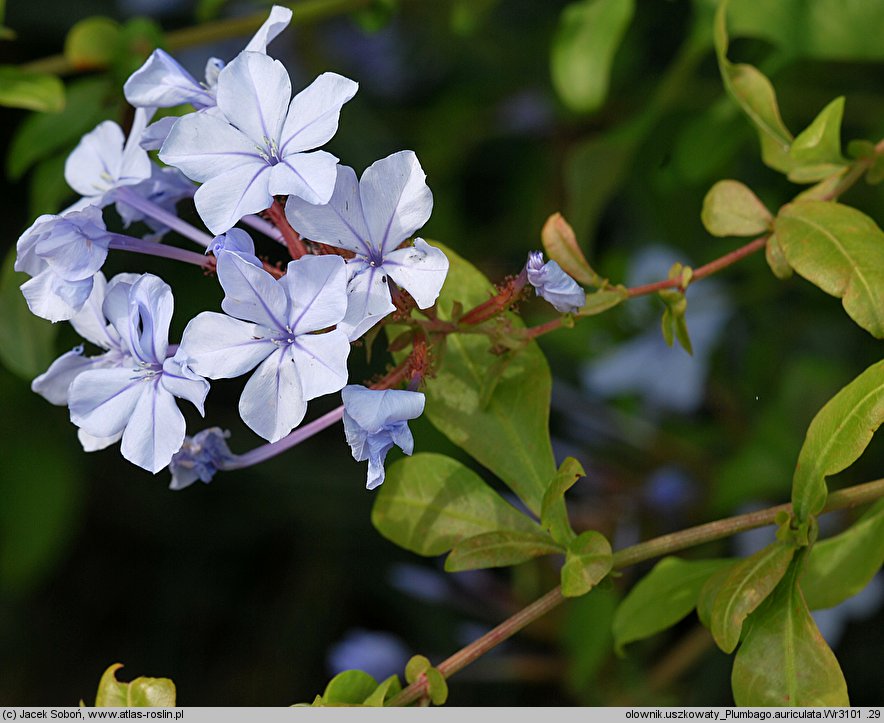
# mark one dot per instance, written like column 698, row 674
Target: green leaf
column 603, row 300
column 386, row 690
column 554, row 512
column 587, row 561
column 508, row 430
column 561, row 246
column 415, row 667
column 731, row 209
column 673, row 323
column 437, row 687
column 583, row 49
column 776, row 259
column 499, row 549
column 709, row 591
column 755, row 95
column 585, row 636
column 841, row 251
column 92, row 43
column 208, row 9
column 662, row 597
column 140, row 693
column 34, row 91
column 351, row 687
column 840, row 566
column 816, row 151
column 784, row 660
column 836, row 438
column 430, row 502
column 26, row 341
column 748, row 583
column 40, row 135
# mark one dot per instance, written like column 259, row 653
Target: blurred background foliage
column 256, row 589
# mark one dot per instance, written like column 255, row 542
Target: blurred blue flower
column 377, row 653
column 199, row 458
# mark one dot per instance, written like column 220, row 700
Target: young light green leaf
column 662, row 597
column 416, row 666
column 602, row 300
column 92, row 43
column 746, row 586
column 350, row 687
column 776, row 259
column 430, row 502
column 836, row 438
column 508, row 430
column 587, row 561
column 841, row 251
column 583, row 49
column 731, row 209
column 560, row 243
column 840, row 566
column 816, row 151
column 140, row 693
column 437, row 687
column 499, row 549
column 34, row 91
column 554, row 512
column 784, row 660
column 755, row 95
column 385, row 690
column 26, row 341
column 709, row 591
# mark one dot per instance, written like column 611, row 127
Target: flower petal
column 91, row 443
column 89, row 322
column 51, row 297
column 314, row 112
column 395, row 198
column 26, row 259
column 219, row 347
column 225, row 199
column 251, row 293
column 321, row 360
column 272, row 403
column 102, row 400
column 420, row 270
column 375, row 409
column 253, row 93
column 155, row 430
column 54, row 383
column 204, row 145
column 135, row 165
column 368, row 300
column 339, row 222
column 180, row 379
column 310, row 176
column 75, row 246
column 157, row 132
column 278, row 21
column 94, row 164
column 150, row 313
column 162, row 83
column 317, row 290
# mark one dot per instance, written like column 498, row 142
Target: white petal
column 310, row 176
column 26, row 259
column 272, row 403
column 339, row 222
column 251, row 293
column 155, row 430
column 180, row 379
column 321, row 360
column 89, row 322
column 219, row 347
column 225, row 199
column 91, row 443
column 374, row 409
column 156, row 133
column 102, row 400
column 135, row 165
column 94, row 164
column 420, row 270
column 314, row 112
column 395, row 198
column 368, row 301
column 54, row 383
column 203, row 146
column 253, row 93
column 51, row 297
column 278, row 21
column 115, row 307
column 162, row 83
column 317, row 290
column 150, row 313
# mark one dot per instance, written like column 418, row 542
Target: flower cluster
column 247, row 151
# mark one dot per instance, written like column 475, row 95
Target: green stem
column 303, row 12
column 657, row 547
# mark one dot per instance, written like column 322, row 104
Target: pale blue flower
column 371, row 218
column 105, row 159
column 252, row 146
column 162, row 83
column 552, row 283
column 62, row 254
column 377, row 653
column 200, row 457
column 270, row 325
column 136, row 397
column 235, row 241
column 164, row 188
column 375, row 420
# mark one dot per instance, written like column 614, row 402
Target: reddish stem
column 293, row 240
column 498, row 303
